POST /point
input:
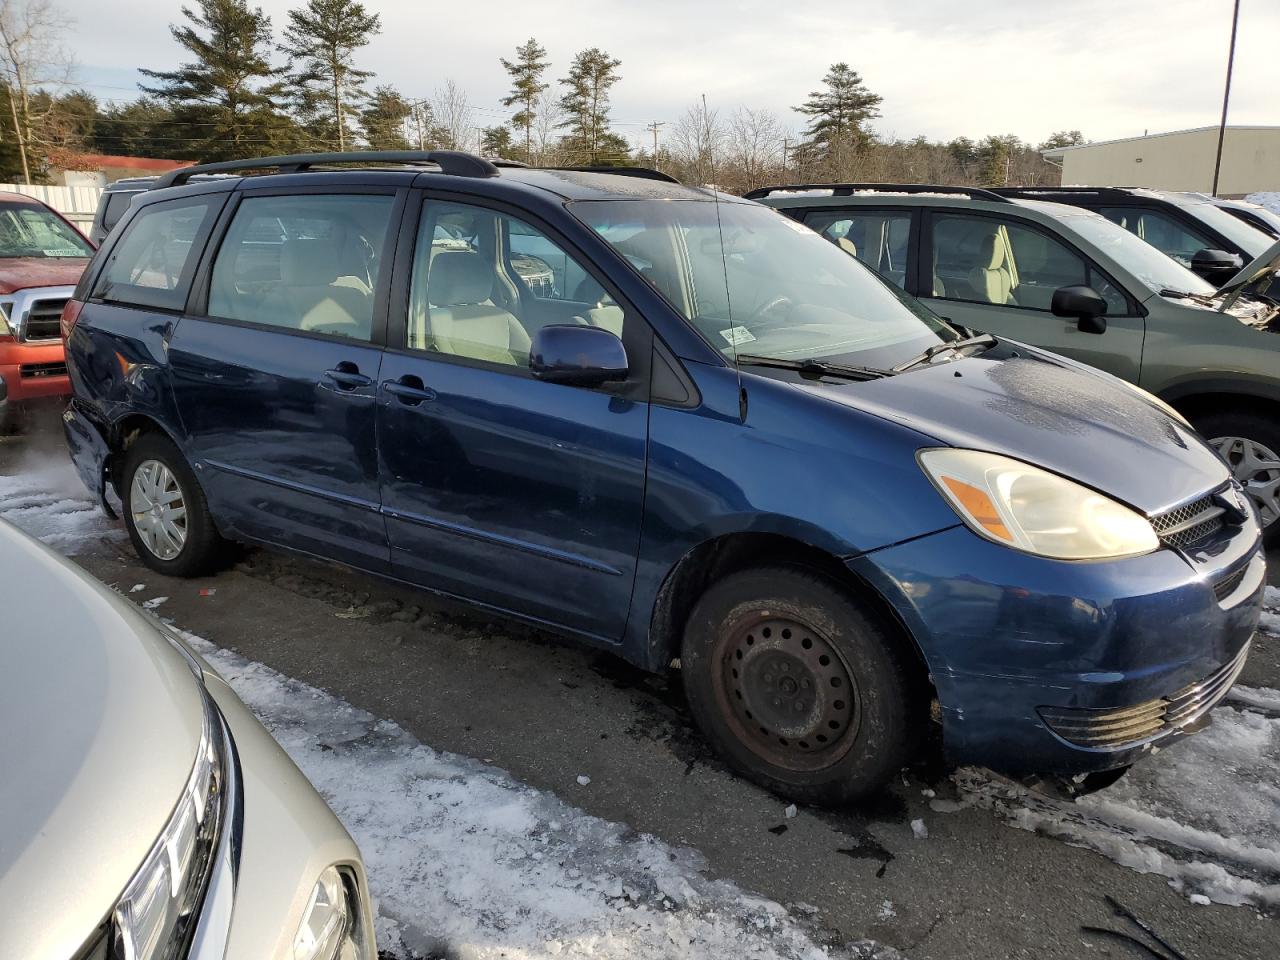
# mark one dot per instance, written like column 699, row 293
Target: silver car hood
column 99, row 724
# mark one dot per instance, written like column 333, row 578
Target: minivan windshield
column 1156, row 270
column 772, row 288
column 1247, row 237
column 28, row 230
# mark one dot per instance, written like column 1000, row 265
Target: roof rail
column 644, row 173
column 1032, row 192
column 847, row 189
column 452, row 162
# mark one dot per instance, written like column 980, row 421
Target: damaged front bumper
column 89, row 451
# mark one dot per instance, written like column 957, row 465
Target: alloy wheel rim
column 788, row 692
column 1257, row 467
column 158, row 509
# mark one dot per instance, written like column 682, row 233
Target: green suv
column 1074, row 282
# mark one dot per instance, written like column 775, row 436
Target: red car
column 41, row 257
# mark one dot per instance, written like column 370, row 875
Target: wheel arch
column 715, row 558
column 122, row 434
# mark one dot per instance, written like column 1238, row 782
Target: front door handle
column 347, row 376
column 409, row 390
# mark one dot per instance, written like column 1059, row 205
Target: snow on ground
column 1204, row 813
column 464, row 861
column 1268, row 199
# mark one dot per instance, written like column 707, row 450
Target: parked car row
column 1089, row 287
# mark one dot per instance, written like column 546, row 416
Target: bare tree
column 548, row 117
column 755, row 146
column 32, row 58
column 452, row 112
column 698, row 141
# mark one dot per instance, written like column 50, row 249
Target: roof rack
column 1032, row 192
column 452, row 162
column 847, row 189
column 644, row 173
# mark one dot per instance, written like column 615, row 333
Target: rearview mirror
column 1216, row 266
column 577, row 355
column 1083, row 304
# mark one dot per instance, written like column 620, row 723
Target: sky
column 1110, row 68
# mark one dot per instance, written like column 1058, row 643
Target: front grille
column 1188, row 525
column 1128, row 726
column 43, row 320
column 42, row 371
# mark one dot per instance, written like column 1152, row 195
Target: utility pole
column 786, row 142
column 653, row 128
column 1226, row 96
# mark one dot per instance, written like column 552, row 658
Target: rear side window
column 878, row 238
column 116, row 206
column 307, row 262
column 152, row 264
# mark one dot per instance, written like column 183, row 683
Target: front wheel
column 797, row 686
column 1250, row 443
column 165, row 511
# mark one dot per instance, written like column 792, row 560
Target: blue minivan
column 713, row 441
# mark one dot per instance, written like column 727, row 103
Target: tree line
column 240, row 90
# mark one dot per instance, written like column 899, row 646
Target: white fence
column 77, row 204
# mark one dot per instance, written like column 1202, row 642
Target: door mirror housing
column 1084, row 304
column 577, row 355
column 1216, row 266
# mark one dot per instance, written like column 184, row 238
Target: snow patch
column 47, row 500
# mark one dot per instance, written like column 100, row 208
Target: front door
column 496, row 486
column 998, row 275
column 276, row 381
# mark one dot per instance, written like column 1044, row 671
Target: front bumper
column 32, row 371
column 1113, row 653
column 287, row 837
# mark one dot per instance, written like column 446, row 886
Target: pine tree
column 382, row 121
column 323, row 37
column 497, row 142
column 526, row 86
column 586, row 106
column 840, row 112
column 224, row 98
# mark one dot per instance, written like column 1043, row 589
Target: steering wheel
column 772, row 305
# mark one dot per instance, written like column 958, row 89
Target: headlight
column 330, row 928
column 1031, row 509
column 157, row 914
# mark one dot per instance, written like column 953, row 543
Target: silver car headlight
column 330, row 927
column 1033, row 510
column 157, row 914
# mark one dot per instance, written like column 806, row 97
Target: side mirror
column 577, row 355
column 1084, row 304
column 1216, row 266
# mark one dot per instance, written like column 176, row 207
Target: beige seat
column 309, row 297
column 939, row 288
column 462, row 317
column 848, row 246
column 990, row 278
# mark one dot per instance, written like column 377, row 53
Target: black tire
column 849, row 685
column 1252, row 426
column 203, row 550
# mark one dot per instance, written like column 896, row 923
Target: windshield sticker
column 737, row 335
column 62, row 252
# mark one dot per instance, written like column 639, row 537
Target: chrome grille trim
column 30, row 312
column 1191, row 523
column 1130, row 726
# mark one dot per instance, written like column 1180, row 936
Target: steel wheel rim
column 158, row 509
column 788, row 692
column 1257, row 467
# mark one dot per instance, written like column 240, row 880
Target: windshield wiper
column 1198, row 297
column 950, row 346
column 814, row 368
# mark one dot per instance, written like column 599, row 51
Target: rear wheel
column 797, row 685
column 1250, row 443
column 165, row 511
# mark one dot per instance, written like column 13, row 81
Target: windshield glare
column 771, row 288
column 1249, row 238
column 27, row 230
column 1155, row 269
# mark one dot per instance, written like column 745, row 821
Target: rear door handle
column 347, row 377
column 409, row 390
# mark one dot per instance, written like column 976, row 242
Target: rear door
column 998, row 275
column 275, row 368
column 499, row 487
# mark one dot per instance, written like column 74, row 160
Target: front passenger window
column 877, row 238
column 305, row 262
column 484, row 283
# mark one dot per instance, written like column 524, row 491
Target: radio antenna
column 732, row 335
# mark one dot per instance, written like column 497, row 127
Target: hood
column 99, row 725
column 19, row 273
column 1086, row 426
column 1253, row 294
